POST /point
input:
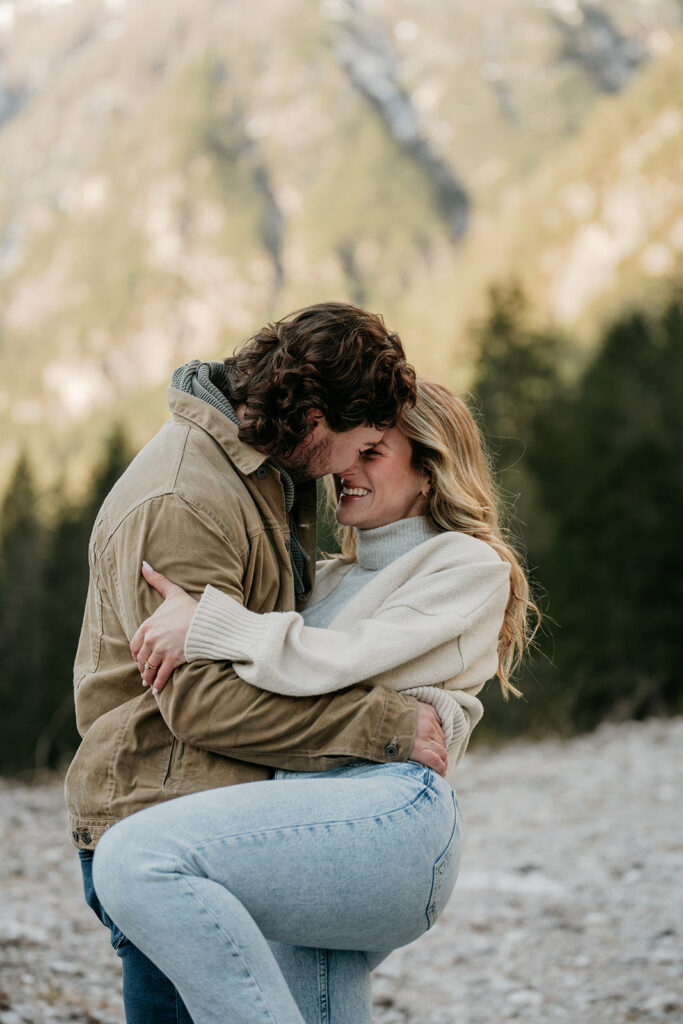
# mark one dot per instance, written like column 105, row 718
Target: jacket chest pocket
column 174, row 768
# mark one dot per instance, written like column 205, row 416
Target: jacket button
column 74, row 836
column 261, row 472
column 391, row 751
column 86, row 837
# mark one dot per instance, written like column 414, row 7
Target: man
column 225, row 494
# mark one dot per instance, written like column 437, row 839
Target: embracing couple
column 268, row 744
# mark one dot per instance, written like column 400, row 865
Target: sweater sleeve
column 459, row 713
column 413, row 639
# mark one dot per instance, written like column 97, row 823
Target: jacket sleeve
column 206, row 704
column 418, row 637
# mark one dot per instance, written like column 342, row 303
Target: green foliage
column 522, row 397
column 603, row 473
column 43, row 583
column 616, row 562
column 22, row 648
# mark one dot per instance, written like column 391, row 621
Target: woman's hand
column 429, row 747
column 159, row 644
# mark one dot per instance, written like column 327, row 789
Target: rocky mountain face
column 173, row 174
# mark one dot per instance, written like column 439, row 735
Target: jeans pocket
column 445, row 870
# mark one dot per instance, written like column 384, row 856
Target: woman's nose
column 351, row 467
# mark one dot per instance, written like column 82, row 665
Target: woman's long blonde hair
column 448, row 449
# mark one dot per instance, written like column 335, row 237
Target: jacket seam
column 115, row 748
column 180, row 459
column 380, row 727
column 92, row 818
column 330, row 754
column 98, row 583
column 185, row 501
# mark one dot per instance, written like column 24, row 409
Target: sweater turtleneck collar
column 377, row 548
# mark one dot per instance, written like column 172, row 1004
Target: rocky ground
column 569, row 905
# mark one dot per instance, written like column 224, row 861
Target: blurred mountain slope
column 599, row 225
column 172, row 175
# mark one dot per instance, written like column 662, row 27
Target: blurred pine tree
column 615, row 568
column 22, row 619
column 520, row 391
column 43, row 583
column 600, row 468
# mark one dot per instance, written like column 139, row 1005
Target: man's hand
column 430, row 746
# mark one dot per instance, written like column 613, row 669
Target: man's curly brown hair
column 333, row 357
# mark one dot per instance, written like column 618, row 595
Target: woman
column 352, row 862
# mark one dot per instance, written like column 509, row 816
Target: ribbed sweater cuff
column 221, row 629
column 454, row 723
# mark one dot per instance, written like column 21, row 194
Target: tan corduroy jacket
column 204, row 508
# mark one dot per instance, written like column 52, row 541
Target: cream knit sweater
column 427, row 624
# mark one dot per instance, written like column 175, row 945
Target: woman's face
column 382, row 485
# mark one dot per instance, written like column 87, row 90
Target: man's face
column 325, row 451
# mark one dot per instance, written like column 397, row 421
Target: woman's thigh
column 361, row 858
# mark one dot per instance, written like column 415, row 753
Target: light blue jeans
column 271, row 902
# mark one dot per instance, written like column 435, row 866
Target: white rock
column 663, row 1002
column 525, row 997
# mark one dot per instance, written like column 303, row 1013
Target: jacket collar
column 218, row 426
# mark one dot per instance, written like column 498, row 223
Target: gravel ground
column 568, row 907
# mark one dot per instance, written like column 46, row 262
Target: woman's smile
column 353, row 492
column 382, row 486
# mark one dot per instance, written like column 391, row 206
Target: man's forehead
column 373, row 436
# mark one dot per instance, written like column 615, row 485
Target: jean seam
column 430, row 903
column 323, row 986
column 233, row 945
column 316, row 824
